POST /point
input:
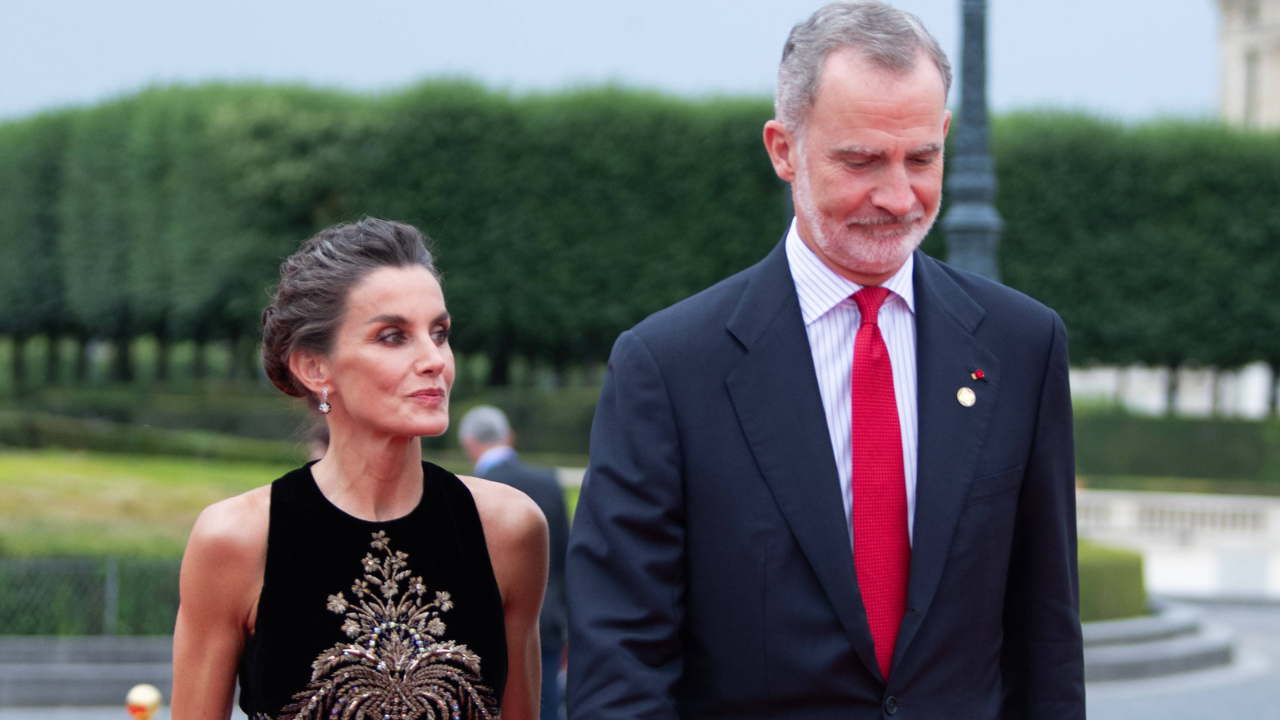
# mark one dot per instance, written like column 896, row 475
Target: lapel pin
column 978, row 375
column 966, row 397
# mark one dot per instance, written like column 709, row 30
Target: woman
column 369, row 583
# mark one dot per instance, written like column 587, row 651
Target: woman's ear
column 311, row 370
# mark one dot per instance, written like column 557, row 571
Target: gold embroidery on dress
column 395, row 667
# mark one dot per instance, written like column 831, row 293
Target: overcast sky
column 1130, row 59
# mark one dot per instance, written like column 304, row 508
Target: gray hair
column 889, row 38
column 485, row 424
column 311, row 297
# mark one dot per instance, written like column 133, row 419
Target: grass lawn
column 61, row 503
column 75, row 503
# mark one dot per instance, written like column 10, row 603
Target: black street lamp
column 972, row 225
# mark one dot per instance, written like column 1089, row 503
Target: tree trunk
column 198, row 368
column 1215, row 396
column 19, row 366
column 122, row 360
column 235, row 365
column 1275, row 389
column 1171, row 392
column 53, row 360
column 82, row 361
column 499, row 370
column 164, row 357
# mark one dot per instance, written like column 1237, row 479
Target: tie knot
column 869, row 300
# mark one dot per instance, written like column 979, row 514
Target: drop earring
column 324, row 407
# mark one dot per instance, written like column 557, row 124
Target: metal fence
column 111, row 596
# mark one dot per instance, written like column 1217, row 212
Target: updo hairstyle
column 311, row 298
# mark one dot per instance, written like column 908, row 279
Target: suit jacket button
column 891, row 705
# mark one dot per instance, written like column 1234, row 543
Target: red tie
column 881, row 548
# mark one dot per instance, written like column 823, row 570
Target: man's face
column 867, row 174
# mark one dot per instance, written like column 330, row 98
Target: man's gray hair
column 484, row 423
column 889, row 38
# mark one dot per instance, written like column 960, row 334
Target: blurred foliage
column 36, row 430
column 1111, row 584
column 562, row 219
column 1157, row 243
column 1116, row 443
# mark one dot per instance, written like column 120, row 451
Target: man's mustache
column 907, row 219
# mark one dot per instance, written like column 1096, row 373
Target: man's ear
column 946, row 122
column 311, row 369
column 782, row 148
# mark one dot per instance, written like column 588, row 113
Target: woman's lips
column 431, row 396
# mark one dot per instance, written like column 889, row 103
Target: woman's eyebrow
column 389, row 319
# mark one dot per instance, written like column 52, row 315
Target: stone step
column 85, row 649
column 78, row 684
column 1167, row 621
column 1173, row 640
column 80, row 671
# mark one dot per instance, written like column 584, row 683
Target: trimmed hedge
column 1111, row 583
column 562, row 219
column 32, row 430
column 1117, row 443
column 1157, row 243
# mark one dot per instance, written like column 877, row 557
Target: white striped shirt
column 831, row 320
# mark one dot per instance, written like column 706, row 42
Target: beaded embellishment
column 395, row 667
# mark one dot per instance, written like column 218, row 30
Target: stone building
column 1250, row 46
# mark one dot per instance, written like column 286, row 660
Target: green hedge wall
column 1157, row 243
column 1111, row 583
column 1115, row 443
column 561, row 219
column 34, row 430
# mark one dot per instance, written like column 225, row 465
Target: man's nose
column 894, row 193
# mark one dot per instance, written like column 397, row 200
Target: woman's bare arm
column 221, row 579
column 516, row 534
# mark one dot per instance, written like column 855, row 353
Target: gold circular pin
column 966, row 397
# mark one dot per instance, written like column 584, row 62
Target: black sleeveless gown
column 362, row 620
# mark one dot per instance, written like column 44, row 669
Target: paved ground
column 1250, row 688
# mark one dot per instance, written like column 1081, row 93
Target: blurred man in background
column 486, row 436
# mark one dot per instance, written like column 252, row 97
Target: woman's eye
column 440, row 336
column 394, row 337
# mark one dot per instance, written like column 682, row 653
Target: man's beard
column 863, row 245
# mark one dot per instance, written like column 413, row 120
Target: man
column 487, row 439
column 840, row 483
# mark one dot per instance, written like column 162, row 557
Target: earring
column 324, row 406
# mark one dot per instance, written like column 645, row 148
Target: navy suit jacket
column 710, row 572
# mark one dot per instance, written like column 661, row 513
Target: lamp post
column 972, row 225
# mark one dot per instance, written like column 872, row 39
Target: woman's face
column 391, row 368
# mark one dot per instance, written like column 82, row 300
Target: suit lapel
column 950, row 434
column 776, row 398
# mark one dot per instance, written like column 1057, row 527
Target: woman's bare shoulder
column 235, row 528
column 507, row 514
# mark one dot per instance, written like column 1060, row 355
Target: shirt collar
column 494, row 456
column 820, row 288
